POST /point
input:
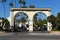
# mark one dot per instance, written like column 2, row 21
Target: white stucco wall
column 30, row 15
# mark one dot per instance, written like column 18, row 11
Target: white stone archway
column 30, row 12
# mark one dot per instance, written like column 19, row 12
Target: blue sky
column 53, row 4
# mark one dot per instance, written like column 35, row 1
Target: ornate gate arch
column 30, row 12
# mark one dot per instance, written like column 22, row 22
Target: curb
column 2, row 32
column 55, row 32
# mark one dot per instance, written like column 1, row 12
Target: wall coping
column 30, row 9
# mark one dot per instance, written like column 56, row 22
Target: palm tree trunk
column 4, row 10
column 15, row 3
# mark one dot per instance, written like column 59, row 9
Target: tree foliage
column 24, row 7
column 39, row 22
column 58, row 19
column 3, row 0
column 5, row 24
column 31, row 6
column 22, row 2
column 11, row 4
column 52, row 19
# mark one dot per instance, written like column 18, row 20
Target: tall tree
column 24, row 7
column 31, row 6
column 52, row 19
column 15, row 3
column 3, row 1
column 58, row 20
column 11, row 4
column 23, row 20
column 35, row 19
column 22, row 2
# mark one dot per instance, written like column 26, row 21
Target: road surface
column 28, row 36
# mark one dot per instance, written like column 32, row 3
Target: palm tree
column 3, row 1
column 31, row 6
column 11, row 4
column 24, row 7
column 15, row 3
column 22, row 2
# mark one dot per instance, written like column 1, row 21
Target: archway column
column 30, row 25
column 30, row 22
column 49, row 26
column 12, row 19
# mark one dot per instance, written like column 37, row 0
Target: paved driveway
column 28, row 36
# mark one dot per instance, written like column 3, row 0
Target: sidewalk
column 55, row 33
column 2, row 32
column 34, row 33
column 46, row 33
